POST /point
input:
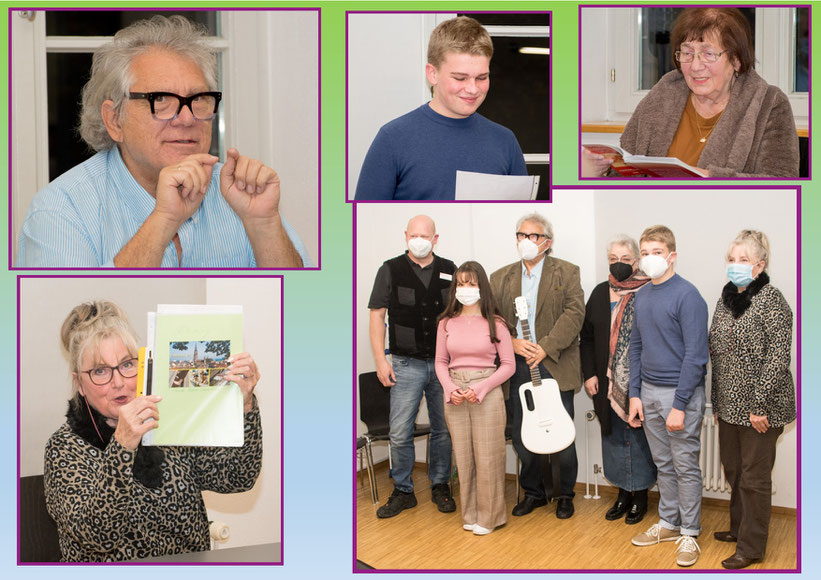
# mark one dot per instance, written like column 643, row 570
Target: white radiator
column 712, row 473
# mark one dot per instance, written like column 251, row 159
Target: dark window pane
column 540, row 169
column 656, row 52
column 108, row 22
column 67, row 74
column 802, row 50
column 510, row 18
column 519, row 96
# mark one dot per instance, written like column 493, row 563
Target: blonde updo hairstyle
column 90, row 323
column 756, row 244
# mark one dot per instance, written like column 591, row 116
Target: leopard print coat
column 106, row 512
column 751, row 356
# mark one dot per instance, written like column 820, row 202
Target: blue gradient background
column 318, row 386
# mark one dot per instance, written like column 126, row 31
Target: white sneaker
column 688, row 551
column 654, row 535
column 480, row 531
column 469, row 527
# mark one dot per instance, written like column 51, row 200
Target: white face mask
column 420, row 247
column 528, row 250
column 654, row 265
column 467, row 295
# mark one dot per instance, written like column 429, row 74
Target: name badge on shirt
column 448, row 277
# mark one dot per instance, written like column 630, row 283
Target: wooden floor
column 423, row 538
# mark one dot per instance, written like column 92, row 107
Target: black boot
column 638, row 507
column 620, row 507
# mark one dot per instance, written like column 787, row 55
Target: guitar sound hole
column 529, row 401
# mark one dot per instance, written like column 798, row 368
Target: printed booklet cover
column 190, row 346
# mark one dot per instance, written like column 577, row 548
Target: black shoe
column 440, row 495
column 527, row 505
column 737, row 562
column 564, row 508
column 398, row 501
column 725, row 537
column 636, row 513
column 620, row 507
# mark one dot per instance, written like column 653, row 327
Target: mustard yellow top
column 692, row 135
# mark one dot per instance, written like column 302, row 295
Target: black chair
column 374, row 411
column 363, row 452
column 38, row 532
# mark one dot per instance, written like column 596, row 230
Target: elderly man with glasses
column 555, row 307
column 153, row 196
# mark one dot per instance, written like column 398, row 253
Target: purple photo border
column 355, row 419
column 318, row 11
column 281, row 278
column 549, row 186
column 700, row 179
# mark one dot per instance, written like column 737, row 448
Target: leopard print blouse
column 751, row 360
column 104, row 514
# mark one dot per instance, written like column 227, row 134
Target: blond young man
column 417, row 155
column 668, row 362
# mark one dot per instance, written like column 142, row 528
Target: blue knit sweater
column 416, row 156
column 668, row 344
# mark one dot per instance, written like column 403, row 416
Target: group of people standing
column 640, row 347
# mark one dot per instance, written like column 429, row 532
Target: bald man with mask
column 411, row 289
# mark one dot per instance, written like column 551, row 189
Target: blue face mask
column 740, row 274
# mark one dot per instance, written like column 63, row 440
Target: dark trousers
column 536, row 480
column 748, row 458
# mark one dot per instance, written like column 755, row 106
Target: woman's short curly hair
column 111, row 75
column 729, row 26
column 88, row 324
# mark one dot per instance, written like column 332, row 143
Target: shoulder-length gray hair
column 111, row 67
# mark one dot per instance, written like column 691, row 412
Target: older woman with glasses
column 111, row 498
column 714, row 111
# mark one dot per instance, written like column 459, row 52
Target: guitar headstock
column 521, row 307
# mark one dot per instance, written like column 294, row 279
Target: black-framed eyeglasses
column 707, row 56
column 167, row 106
column 102, row 375
column 532, row 237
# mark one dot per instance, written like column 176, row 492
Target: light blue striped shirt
column 530, row 290
column 83, row 219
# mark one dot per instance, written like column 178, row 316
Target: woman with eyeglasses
column 604, row 348
column 752, row 392
column 714, row 111
column 472, row 336
column 111, row 498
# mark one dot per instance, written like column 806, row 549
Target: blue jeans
column 531, row 476
column 415, row 377
column 676, row 454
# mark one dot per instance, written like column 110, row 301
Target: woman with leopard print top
column 111, row 498
column 753, row 395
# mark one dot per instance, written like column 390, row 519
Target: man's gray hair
column 542, row 221
column 111, row 75
column 624, row 240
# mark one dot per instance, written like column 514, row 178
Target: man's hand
column 181, row 189
column 591, row 385
column 384, row 372
column 532, row 352
column 249, row 187
column 675, row 420
column 636, row 415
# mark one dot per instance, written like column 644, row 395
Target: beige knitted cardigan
column 755, row 136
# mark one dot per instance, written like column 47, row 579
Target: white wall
column 386, row 76
column 704, row 221
column 45, row 386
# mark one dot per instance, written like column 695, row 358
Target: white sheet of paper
column 486, row 186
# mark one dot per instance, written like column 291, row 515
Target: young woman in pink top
column 474, row 356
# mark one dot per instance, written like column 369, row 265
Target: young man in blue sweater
column 668, row 361
column 417, row 155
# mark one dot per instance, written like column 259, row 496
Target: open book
column 186, row 357
column 642, row 165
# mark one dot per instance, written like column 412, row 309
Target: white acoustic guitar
column 546, row 426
